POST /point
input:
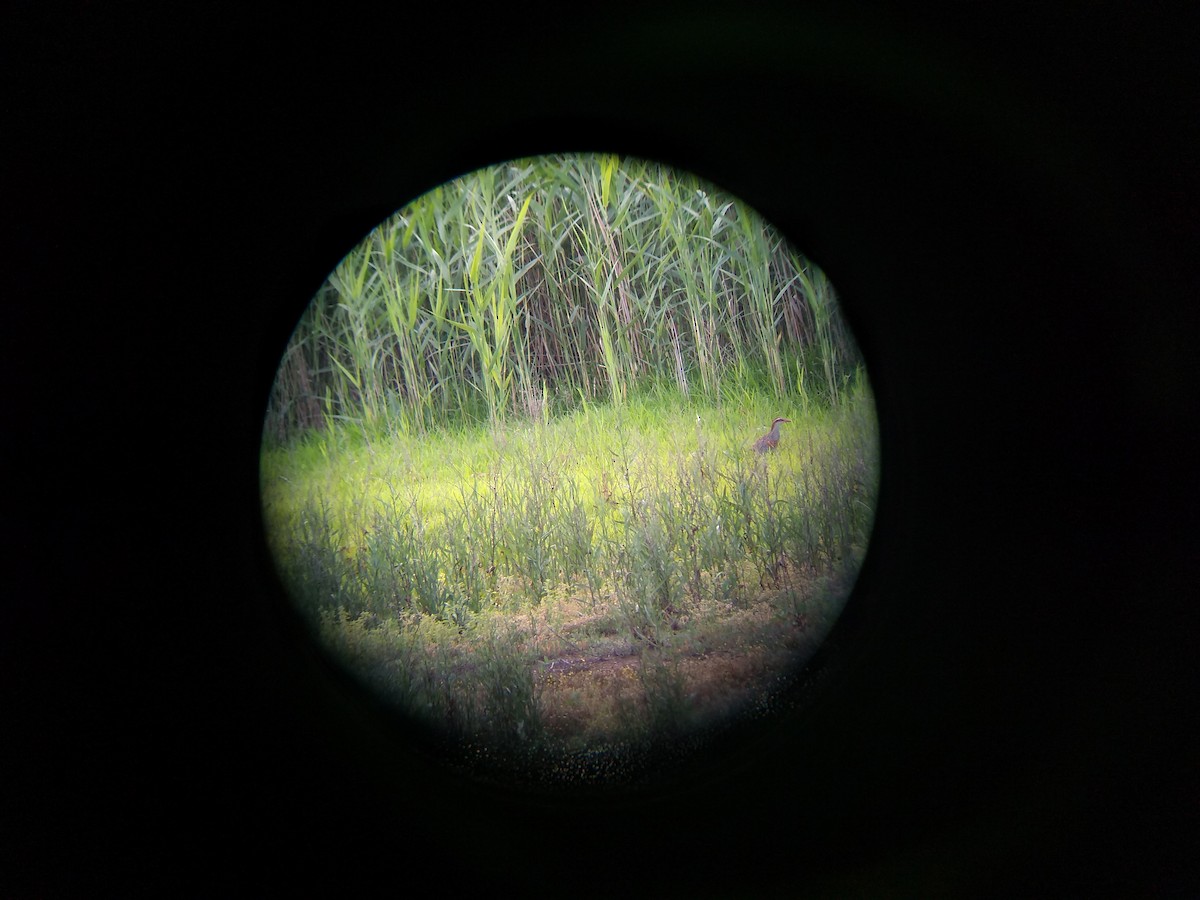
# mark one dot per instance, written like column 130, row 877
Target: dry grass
column 591, row 679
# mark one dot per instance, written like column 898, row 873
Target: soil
column 590, row 697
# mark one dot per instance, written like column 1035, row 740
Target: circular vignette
column 572, row 465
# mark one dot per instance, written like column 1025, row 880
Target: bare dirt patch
column 714, row 672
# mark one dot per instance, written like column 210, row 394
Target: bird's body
column 770, row 440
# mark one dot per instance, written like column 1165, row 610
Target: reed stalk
column 540, row 285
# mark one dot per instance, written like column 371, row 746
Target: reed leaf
column 560, row 279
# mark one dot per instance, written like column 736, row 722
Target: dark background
column 1006, row 201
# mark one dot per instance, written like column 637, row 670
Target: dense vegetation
column 547, row 283
column 507, row 472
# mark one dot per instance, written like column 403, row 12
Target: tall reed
column 554, row 282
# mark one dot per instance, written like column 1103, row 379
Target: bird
column 770, row 440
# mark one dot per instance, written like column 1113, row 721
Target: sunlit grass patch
column 543, row 585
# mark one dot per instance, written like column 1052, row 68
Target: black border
column 1006, row 203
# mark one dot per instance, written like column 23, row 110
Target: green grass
column 616, row 574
